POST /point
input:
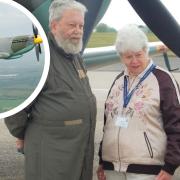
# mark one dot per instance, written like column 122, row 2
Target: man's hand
column 100, row 173
column 20, row 145
column 163, row 175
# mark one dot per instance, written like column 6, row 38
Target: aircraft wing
column 107, row 55
column 8, row 56
column 4, row 55
column 152, row 12
column 15, row 57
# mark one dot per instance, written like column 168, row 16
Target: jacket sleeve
column 17, row 123
column 170, row 108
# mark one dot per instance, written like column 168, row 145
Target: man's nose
column 78, row 29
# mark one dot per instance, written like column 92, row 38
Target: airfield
column 101, row 78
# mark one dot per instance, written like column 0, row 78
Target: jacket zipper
column 148, row 145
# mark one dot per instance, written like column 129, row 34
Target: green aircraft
column 15, row 47
column 152, row 12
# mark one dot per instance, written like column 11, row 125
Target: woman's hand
column 163, row 175
column 100, row 173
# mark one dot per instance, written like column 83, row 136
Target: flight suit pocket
column 73, row 122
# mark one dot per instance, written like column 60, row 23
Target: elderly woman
column 141, row 138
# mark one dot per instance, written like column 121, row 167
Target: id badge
column 121, row 121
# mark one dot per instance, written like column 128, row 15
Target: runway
column 11, row 162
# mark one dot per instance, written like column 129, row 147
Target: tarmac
column 12, row 163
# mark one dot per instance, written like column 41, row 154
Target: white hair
column 58, row 7
column 68, row 46
column 131, row 38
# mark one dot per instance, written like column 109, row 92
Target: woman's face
column 136, row 62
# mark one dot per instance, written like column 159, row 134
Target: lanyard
column 127, row 96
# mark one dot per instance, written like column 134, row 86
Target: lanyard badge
column 122, row 119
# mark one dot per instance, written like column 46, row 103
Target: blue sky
column 121, row 13
column 13, row 21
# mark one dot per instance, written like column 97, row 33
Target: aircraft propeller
column 152, row 12
column 160, row 21
column 36, row 41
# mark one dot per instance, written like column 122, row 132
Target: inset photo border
column 24, row 58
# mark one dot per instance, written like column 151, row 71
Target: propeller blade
column 39, row 48
column 37, row 52
column 35, row 31
column 160, row 21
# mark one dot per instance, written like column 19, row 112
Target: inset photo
column 24, row 58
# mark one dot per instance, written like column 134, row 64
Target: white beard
column 68, row 46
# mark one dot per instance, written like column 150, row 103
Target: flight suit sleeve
column 17, row 123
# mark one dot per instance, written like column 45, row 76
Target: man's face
column 136, row 62
column 68, row 31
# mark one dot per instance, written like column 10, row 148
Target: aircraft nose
column 38, row 40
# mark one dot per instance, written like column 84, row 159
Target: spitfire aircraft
column 152, row 12
column 15, row 47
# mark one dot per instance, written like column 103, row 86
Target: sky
column 13, row 21
column 120, row 13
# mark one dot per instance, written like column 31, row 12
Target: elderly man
column 58, row 128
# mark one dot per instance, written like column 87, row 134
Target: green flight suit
column 59, row 129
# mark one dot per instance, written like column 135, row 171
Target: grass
column 10, row 99
column 7, row 105
column 152, row 37
column 98, row 39
column 101, row 39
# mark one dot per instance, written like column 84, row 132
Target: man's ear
column 53, row 26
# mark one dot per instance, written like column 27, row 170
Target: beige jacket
column 150, row 117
